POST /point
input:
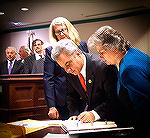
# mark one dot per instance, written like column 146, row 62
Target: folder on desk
column 11, row 131
column 71, row 126
column 20, row 128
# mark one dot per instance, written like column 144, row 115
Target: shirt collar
column 37, row 57
column 83, row 70
column 11, row 62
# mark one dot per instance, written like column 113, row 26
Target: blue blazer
column 134, row 86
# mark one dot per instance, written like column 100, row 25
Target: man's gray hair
column 66, row 46
column 25, row 48
column 12, row 48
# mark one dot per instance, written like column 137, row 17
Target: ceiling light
column 1, row 13
column 24, row 9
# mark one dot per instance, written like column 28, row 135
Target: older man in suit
column 11, row 65
column 99, row 89
column 23, row 52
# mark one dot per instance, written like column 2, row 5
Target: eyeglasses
column 58, row 32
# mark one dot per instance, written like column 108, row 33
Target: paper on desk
column 74, row 125
column 36, row 123
column 100, row 130
column 49, row 135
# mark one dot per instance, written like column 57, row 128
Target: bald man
column 11, row 65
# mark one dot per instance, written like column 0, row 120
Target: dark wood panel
column 22, row 97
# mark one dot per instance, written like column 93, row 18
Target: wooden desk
column 22, row 97
column 58, row 130
column 54, row 129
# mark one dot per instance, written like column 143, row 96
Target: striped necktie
column 10, row 67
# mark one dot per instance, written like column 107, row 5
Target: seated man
column 99, row 88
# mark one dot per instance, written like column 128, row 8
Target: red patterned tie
column 82, row 81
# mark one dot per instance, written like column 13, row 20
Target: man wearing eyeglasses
column 100, row 80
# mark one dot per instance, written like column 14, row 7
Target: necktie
column 82, row 81
column 10, row 67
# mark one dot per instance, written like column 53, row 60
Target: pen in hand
column 78, row 123
column 86, row 117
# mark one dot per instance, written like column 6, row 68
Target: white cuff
column 97, row 117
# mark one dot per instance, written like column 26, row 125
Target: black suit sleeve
column 75, row 102
column 108, row 109
column 28, row 64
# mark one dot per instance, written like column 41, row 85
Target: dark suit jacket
column 55, row 80
column 28, row 64
column 17, row 67
column 38, row 66
column 101, row 81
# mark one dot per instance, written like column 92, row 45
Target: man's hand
column 53, row 113
column 86, row 117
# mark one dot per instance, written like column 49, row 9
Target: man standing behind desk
column 101, row 80
column 23, row 52
column 35, row 63
column 11, row 65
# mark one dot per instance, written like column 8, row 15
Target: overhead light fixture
column 24, row 9
column 1, row 13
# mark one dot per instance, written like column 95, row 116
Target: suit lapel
column 74, row 80
column 89, row 77
column 77, row 85
column 6, row 67
column 14, row 67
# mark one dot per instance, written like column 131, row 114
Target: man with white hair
column 89, row 79
column 23, row 52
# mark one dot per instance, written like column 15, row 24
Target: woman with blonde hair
column 54, row 76
column 72, row 32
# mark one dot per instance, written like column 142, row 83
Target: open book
column 69, row 126
column 73, row 126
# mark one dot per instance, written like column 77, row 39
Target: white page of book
column 74, row 125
